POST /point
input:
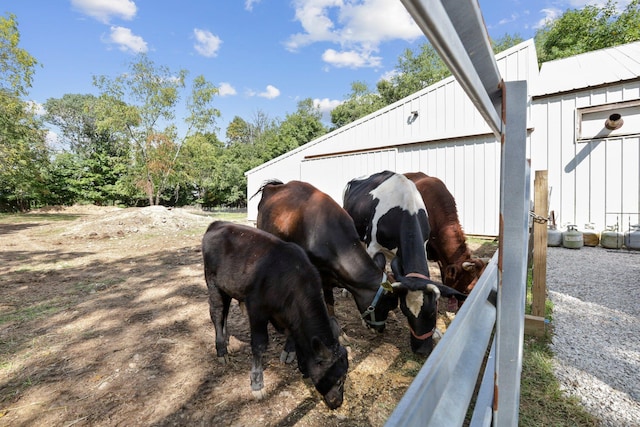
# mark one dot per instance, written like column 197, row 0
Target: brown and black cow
column 389, row 215
column 298, row 212
column 278, row 284
column 447, row 242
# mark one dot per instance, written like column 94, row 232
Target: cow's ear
column 335, row 327
column 396, row 268
column 321, row 352
column 380, row 260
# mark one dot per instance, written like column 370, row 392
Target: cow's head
column 419, row 303
column 463, row 275
column 328, row 368
column 385, row 300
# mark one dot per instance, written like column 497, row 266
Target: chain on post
column 538, row 218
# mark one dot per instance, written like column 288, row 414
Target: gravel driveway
column 597, row 329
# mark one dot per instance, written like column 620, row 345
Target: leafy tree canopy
column 587, row 29
column 23, row 152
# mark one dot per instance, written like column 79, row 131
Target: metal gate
column 492, row 318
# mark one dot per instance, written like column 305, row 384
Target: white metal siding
column 470, row 168
column 336, row 171
column 445, row 113
column 591, row 181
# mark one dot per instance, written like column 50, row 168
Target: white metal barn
column 593, row 172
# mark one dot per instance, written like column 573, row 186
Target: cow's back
column 240, row 259
column 383, row 199
column 300, row 213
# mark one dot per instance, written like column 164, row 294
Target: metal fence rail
column 442, row 391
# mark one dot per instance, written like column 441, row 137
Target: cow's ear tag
column 387, row 286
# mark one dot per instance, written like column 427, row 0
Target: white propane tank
column 611, row 238
column 590, row 236
column 572, row 238
column 554, row 236
column 632, row 237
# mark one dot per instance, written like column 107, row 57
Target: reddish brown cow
column 447, row 242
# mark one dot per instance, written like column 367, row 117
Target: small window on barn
column 608, row 120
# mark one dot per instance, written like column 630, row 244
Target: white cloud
column 550, row 15
column 357, row 27
column 325, row 106
column 248, row 4
column 103, row 10
column 127, row 41
column 207, row 44
column 226, row 89
column 35, row 108
column 350, row 59
column 389, row 75
column 512, row 18
column 271, row 92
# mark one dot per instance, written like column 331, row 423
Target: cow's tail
column 264, row 184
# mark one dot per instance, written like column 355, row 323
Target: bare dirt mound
column 121, row 222
column 113, row 328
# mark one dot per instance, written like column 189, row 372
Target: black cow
column 278, row 284
column 389, row 214
column 300, row 213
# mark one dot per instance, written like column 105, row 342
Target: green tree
column 360, row 102
column 238, row 131
column 587, row 29
column 413, row 73
column 297, row 129
column 142, row 103
column 200, row 159
column 505, row 42
column 101, row 157
column 23, row 150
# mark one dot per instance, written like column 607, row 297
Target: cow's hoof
column 223, row 360
column 287, row 357
column 259, row 394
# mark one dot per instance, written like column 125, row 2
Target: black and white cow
column 278, row 284
column 390, row 216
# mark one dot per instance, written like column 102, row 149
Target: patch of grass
column 542, row 403
column 17, row 218
column 87, row 287
column 225, row 214
column 32, row 312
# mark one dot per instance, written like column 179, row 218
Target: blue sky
column 263, row 55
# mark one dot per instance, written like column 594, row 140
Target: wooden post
column 541, row 207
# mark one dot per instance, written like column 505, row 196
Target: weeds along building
column 583, row 127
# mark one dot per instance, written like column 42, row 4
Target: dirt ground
column 104, row 321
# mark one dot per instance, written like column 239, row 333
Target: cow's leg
column 329, row 300
column 289, row 351
column 219, row 303
column 259, row 342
